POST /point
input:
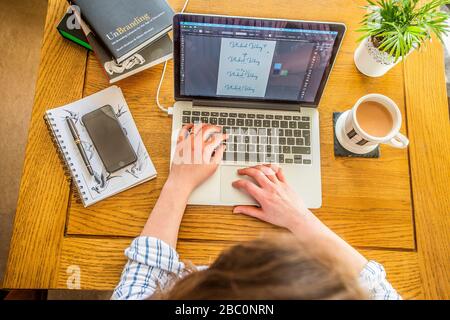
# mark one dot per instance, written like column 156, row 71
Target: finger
column 218, row 154
column 270, row 174
column 249, row 211
column 256, row 174
column 249, row 187
column 214, row 143
column 184, row 132
column 208, row 131
column 198, row 128
column 279, row 173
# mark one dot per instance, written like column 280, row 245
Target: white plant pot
column 371, row 61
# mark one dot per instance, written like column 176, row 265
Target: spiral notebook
column 91, row 189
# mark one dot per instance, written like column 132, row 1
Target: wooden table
column 399, row 214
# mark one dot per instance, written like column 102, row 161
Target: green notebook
column 70, row 30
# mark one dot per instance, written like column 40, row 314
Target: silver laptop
column 261, row 80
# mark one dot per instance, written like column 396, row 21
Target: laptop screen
column 254, row 59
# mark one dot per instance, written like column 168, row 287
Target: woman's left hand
column 199, row 150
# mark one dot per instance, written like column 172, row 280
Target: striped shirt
column 152, row 263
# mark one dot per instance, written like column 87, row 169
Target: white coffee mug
column 353, row 138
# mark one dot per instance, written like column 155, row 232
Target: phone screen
column 109, row 139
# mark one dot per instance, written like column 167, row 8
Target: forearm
column 165, row 219
column 316, row 232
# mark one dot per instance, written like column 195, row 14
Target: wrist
column 178, row 188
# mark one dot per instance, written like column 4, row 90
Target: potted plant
column 392, row 29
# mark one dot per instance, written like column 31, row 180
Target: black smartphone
column 109, row 139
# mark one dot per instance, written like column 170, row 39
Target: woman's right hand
column 280, row 205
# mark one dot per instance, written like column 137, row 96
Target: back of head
column 276, row 268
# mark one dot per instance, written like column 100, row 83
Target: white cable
column 161, row 107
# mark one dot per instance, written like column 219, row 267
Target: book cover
column 91, row 189
column 123, row 27
column 153, row 54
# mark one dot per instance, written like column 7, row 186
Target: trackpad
column 229, row 194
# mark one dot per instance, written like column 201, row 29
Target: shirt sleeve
column 373, row 278
column 150, row 264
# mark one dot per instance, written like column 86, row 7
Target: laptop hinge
column 246, row 105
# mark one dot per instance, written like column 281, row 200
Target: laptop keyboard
column 258, row 137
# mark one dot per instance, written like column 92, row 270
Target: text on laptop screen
column 256, row 62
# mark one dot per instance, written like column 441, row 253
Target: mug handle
column 399, row 141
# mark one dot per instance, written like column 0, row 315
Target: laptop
column 261, row 80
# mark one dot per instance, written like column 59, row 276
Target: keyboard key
column 278, row 117
column 251, row 148
column 241, row 147
column 282, row 141
column 286, row 149
column 213, row 121
column 240, row 122
column 195, row 113
column 258, row 123
column 297, row 133
column 296, row 118
column 275, row 124
column 284, row 124
column 254, row 139
column 205, row 113
column 251, row 116
column 299, row 161
column 249, row 123
column 269, row 116
column 299, row 142
column 273, row 140
column 298, row 157
column 214, row 114
column 307, row 136
column 289, row 161
column 260, row 116
column 204, row 119
column 226, row 130
column 231, row 147
column 288, row 133
column 292, row 124
column 231, row 121
column 186, row 120
column 306, row 161
column 233, row 115
column 253, row 131
column 224, row 114
column 260, row 148
column 291, row 141
column 238, row 139
column 268, row 148
column 262, row 131
column 303, row 125
column 305, row 118
column 287, row 117
column 186, row 113
column 301, row 150
column 244, row 131
column 195, row 119
column 242, row 115
column 246, row 139
column 281, row 158
column 222, row 121
column 263, row 140
column 266, row 123
column 229, row 156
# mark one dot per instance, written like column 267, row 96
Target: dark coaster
column 340, row 151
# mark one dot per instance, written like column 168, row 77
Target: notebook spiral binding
column 69, row 170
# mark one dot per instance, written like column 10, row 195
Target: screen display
column 254, row 61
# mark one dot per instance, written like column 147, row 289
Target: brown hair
column 277, row 268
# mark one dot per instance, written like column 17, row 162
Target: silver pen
column 76, row 138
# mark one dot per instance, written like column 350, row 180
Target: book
column 70, row 29
column 151, row 55
column 91, row 189
column 125, row 28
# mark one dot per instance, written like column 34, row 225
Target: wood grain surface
column 429, row 132
column 358, row 201
column 44, row 192
column 402, row 225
